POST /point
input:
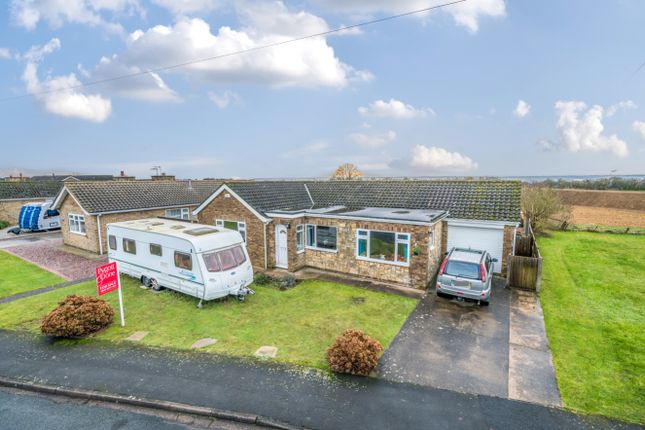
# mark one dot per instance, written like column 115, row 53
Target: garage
column 478, row 235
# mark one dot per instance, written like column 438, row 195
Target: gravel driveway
column 51, row 255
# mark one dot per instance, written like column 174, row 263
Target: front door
column 281, row 247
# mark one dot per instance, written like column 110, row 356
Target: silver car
column 467, row 274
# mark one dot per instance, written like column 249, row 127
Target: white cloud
column 440, row 159
column 148, row 86
column 27, row 13
column 5, row 54
column 182, row 7
column 522, row 109
column 623, row 105
column 222, row 101
column 394, row 109
column 58, row 94
column 307, row 63
column 581, row 129
column 639, row 127
column 466, row 14
column 373, row 140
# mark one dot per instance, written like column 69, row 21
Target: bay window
column 383, row 246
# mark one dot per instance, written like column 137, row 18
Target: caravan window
column 130, row 246
column 155, row 249
column 183, row 261
column 112, row 241
column 227, row 259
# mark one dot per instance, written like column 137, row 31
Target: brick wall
column 230, row 209
column 10, row 209
column 508, row 246
column 88, row 241
column 344, row 259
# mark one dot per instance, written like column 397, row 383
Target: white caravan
column 37, row 216
column 200, row 260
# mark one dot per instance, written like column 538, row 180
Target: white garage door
column 484, row 238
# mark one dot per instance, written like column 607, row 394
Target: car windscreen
column 462, row 269
column 227, row 259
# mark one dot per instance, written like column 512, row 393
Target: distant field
column 607, row 216
column 632, row 200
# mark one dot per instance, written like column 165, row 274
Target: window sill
column 78, row 233
column 391, row 263
column 300, row 251
column 313, row 248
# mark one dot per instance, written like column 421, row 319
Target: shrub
column 354, row 352
column 263, row 279
column 544, row 208
column 3, row 224
column 77, row 316
column 287, row 281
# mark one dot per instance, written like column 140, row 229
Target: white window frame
column 77, row 224
column 399, row 238
column 314, row 247
column 300, row 230
column 184, row 213
column 241, row 226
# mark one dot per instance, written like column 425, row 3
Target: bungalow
column 87, row 207
column 15, row 194
column 388, row 230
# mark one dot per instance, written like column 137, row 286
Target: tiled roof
column 72, row 177
column 265, row 196
column 113, row 196
column 493, row 200
column 28, row 189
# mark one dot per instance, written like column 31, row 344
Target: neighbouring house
column 15, row 194
column 388, row 230
column 66, row 178
column 87, row 207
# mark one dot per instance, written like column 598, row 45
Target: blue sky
column 486, row 87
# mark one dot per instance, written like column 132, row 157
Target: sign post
column 107, row 280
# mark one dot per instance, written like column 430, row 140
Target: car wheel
column 484, row 303
column 443, row 295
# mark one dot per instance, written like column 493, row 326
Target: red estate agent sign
column 107, row 280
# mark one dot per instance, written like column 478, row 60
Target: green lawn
column 17, row 276
column 593, row 295
column 301, row 322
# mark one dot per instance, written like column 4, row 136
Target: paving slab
column 531, row 375
column 267, row 352
column 137, row 336
column 202, row 343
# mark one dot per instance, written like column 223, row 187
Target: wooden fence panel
column 524, row 245
column 524, row 272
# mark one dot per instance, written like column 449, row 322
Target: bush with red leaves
column 354, row 352
column 77, row 316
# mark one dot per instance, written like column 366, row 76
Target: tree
column 544, row 208
column 347, row 171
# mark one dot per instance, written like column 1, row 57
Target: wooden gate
column 524, row 269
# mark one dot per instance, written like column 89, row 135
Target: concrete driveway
column 499, row 350
column 454, row 345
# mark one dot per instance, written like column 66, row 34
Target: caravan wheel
column 154, row 284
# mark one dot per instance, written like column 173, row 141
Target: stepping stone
column 266, row 352
column 137, row 336
column 201, row 343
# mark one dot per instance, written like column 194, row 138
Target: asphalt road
column 26, row 411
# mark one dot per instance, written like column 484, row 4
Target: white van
column 200, row 260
